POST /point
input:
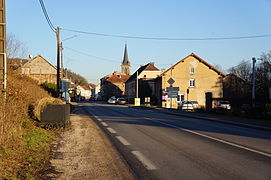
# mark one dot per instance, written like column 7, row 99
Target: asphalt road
column 162, row 146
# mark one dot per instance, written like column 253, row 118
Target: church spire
column 125, row 57
column 125, row 65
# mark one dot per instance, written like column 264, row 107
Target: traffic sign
column 171, row 81
column 172, row 89
column 172, row 96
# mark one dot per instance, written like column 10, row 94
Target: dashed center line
column 145, row 161
column 111, row 130
column 99, row 119
column 123, row 141
column 213, row 138
column 104, row 124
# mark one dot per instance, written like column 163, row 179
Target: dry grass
column 21, row 93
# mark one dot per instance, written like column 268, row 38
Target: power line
column 86, row 54
column 46, row 16
column 168, row 38
column 90, row 55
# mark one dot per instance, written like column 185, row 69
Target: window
column 145, row 76
column 192, row 70
column 192, row 83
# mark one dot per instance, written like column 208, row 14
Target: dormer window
column 192, row 70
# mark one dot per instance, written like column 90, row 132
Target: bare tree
column 242, row 70
column 15, row 48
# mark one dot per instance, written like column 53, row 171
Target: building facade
column 146, row 76
column 193, row 77
column 39, row 69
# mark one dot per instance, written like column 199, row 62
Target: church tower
column 125, row 65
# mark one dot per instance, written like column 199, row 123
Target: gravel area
column 84, row 152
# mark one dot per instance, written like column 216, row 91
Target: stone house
column 39, row 69
column 193, row 77
column 113, row 85
column 146, row 76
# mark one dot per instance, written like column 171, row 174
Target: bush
column 50, row 88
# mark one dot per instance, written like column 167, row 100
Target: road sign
column 173, row 93
column 172, row 89
column 171, row 81
column 172, row 96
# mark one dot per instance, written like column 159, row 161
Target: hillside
column 23, row 146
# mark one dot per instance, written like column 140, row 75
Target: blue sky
column 147, row 18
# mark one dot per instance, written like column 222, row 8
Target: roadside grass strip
column 123, row 141
column 145, row 161
column 213, row 138
column 111, row 130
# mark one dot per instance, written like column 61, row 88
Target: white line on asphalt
column 99, row 119
column 123, row 141
column 111, row 130
column 104, row 124
column 215, row 139
column 146, row 162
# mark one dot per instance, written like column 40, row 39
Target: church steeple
column 125, row 65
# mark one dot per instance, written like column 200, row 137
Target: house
column 84, row 92
column 95, row 92
column 193, row 78
column 113, row 85
column 146, row 76
column 39, row 69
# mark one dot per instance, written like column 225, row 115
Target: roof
column 147, row 67
column 200, row 60
column 39, row 56
column 125, row 57
column 118, row 78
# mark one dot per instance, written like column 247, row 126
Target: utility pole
column 58, row 62
column 136, row 84
column 3, row 56
column 253, row 82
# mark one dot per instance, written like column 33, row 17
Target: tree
column 15, row 48
column 242, row 70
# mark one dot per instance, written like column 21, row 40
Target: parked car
column 224, row 105
column 121, row 101
column 112, row 100
column 186, row 105
column 195, row 104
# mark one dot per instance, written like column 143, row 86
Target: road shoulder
column 84, row 152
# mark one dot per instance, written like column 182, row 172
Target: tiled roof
column 118, row 78
column 147, row 67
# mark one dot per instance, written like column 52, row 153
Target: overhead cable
column 168, row 38
column 47, row 16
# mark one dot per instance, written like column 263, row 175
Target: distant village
column 190, row 79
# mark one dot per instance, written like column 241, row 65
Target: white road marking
column 145, row 161
column 99, row 119
column 104, row 124
column 215, row 139
column 123, row 141
column 111, row 130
